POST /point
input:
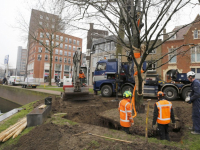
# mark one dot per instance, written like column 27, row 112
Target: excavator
column 76, row 91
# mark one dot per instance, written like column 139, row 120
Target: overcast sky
column 11, row 37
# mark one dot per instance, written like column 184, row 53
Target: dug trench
column 104, row 113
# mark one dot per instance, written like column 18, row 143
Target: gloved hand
column 154, row 127
column 174, row 125
column 187, row 99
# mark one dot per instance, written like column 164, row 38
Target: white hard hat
column 190, row 73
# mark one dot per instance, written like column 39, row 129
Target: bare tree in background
column 48, row 21
column 125, row 18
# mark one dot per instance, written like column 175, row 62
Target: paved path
column 39, row 90
column 46, row 91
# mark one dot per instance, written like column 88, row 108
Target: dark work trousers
column 163, row 131
column 126, row 129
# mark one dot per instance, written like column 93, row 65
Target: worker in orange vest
column 81, row 77
column 162, row 113
column 125, row 111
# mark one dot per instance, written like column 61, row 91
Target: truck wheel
column 33, row 87
column 171, row 93
column 185, row 92
column 106, row 91
column 13, row 84
column 127, row 88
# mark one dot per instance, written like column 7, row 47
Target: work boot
column 194, row 132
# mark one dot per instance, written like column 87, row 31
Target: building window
column 195, row 54
column 69, row 54
column 74, row 48
column 52, row 43
column 61, row 52
column 47, row 42
column 106, row 57
column 94, row 61
column 61, row 38
column 108, row 46
column 65, row 53
column 40, row 42
column 57, row 37
column 66, row 68
column 70, row 47
column 73, row 54
column 78, row 43
column 41, row 17
column 65, row 60
column 66, row 40
column 47, row 35
column 172, row 55
column 47, row 18
column 70, row 40
column 56, row 51
column 112, row 47
column 152, row 66
column 197, row 72
column 153, row 51
column 52, row 26
column 40, row 23
column 101, row 48
column 172, row 37
column 57, row 44
column 41, row 35
column 53, row 20
column 61, row 45
column 60, row 59
column 46, row 50
column 74, row 42
column 39, row 57
column 56, row 58
column 69, row 61
column 196, row 34
column 46, row 57
column 39, row 49
column 65, row 46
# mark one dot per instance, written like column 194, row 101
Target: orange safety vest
column 125, row 113
column 164, row 111
column 81, row 75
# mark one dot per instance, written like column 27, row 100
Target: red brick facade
column 183, row 61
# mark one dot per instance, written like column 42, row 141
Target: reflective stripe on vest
column 160, row 106
column 126, row 111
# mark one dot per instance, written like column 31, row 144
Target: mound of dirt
column 51, row 137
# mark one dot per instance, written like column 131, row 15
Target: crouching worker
column 162, row 113
column 125, row 110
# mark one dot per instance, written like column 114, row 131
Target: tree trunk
column 50, row 66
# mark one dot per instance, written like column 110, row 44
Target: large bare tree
column 49, row 21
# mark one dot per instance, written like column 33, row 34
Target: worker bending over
column 162, row 113
column 81, row 77
column 125, row 111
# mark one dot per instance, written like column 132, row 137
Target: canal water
column 6, row 105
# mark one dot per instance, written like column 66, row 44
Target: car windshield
column 101, row 66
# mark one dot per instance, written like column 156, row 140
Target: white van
column 15, row 80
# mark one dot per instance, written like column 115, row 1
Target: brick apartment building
column 39, row 57
column 189, row 59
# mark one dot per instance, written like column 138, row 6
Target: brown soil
column 97, row 117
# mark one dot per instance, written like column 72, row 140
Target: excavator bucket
column 83, row 95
